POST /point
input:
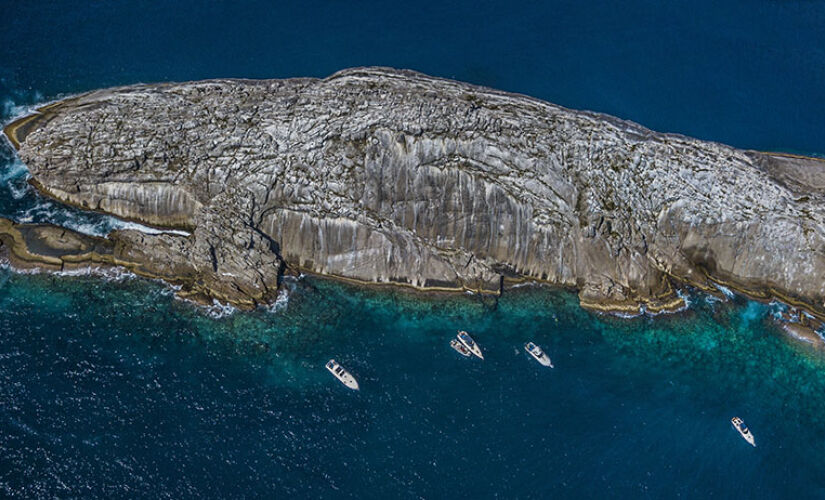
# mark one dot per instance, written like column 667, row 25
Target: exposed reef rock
column 54, row 248
column 387, row 176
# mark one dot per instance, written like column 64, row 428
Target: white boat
column 342, row 374
column 469, row 343
column 537, row 353
column 459, row 347
column 740, row 426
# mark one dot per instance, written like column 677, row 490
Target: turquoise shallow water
column 114, row 388
column 111, row 388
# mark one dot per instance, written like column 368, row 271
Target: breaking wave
column 218, row 310
column 281, row 302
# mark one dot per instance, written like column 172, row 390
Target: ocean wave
column 217, row 310
column 727, row 292
column 18, row 193
column 89, row 223
column 14, row 170
column 686, row 298
column 713, row 299
column 48, row 212
column 112, row 274
column 281, row 302
column 528, row 283
column 288, row 286
column 625, row 315
column 107, row 273
column 122, row 224
column 13, row 109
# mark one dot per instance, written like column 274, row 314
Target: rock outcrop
column 387, row 176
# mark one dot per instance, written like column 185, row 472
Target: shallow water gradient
column 113, row 387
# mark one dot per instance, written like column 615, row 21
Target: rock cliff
column 387, row 176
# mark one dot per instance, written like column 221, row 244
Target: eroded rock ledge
column 387, row 176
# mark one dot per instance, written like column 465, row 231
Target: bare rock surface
column 388, row 176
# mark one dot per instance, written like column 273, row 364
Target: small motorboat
column 740, row 426
column 459, row 347
column 342, row 374
column 537, row 353
column 469, row 343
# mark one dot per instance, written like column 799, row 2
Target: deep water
column 112, row 388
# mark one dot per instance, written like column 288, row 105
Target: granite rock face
column 388, row 176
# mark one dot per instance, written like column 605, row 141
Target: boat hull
column 543, row 360
column 342, row 375
column 460, row 348
column 471, row 345
column 541, row 356
column 746, row 436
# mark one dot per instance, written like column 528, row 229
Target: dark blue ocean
column 112, row 388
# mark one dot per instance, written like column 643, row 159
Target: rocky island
column 387, row 176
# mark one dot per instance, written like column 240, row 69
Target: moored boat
column 459, row 347
column 469, row 343
column 342, row 374
column 743, row 430
column 538, row 354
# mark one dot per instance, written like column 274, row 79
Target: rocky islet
column 389, row 176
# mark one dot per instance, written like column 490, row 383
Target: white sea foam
column 528, row 283
column 88, row 228
column 713, row 299
column 625, row 315
column 46, row 211
column 115, row 274
column 281, row 302
column 288, row 285
column 215, row 310
column 122, row 224
column 218, row 310
column 685, row 297
column 13, row 110
column 15, row 170
column 17, row 188
column 725, row 290
column 5, row 264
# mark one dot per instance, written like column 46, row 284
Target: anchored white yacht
column 740, row 426
column 342, row 374
column 469, row 343
column 459, row 347
column 537, row 353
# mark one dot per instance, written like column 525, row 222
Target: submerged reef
column 389, row 176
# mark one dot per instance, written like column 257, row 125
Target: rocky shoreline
column 383, row 176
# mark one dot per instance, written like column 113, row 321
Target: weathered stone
column 391, row 176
